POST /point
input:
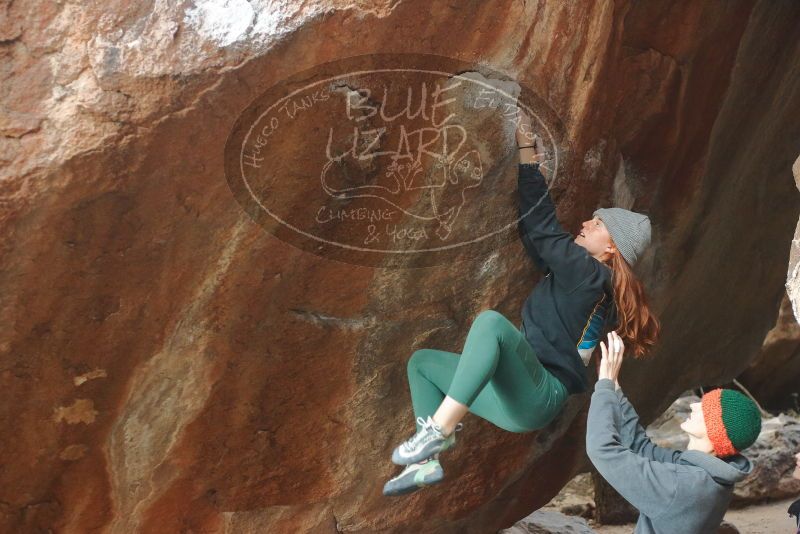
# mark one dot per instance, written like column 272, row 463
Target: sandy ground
column 768, row 518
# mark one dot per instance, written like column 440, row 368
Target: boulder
column 774, row 375
column 549, row 522
column 172, row 363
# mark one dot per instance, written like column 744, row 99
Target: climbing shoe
column 415, row 476
column 428, row 441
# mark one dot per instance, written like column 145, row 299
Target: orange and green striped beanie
column 732, row 419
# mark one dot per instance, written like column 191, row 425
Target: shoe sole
column 436, row 478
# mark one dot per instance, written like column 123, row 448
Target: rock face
column 773, row 457
column 168, row 366
column 793, row 276
column 772, row 377
column 549, row 522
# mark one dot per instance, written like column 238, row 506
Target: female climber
column 519, row 379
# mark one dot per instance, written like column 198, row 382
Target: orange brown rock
column 249, row 386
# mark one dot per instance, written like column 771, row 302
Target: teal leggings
column 498, row 376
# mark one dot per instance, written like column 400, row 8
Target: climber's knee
column 489, row 317
column 416, row 357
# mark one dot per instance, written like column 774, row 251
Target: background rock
column 773, row 459
column 168, row 366
column 545, row 522
column 727, row 528
column 793, row 276
column 773, row 377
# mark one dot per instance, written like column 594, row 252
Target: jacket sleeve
column 633, row 435
column 529, row 246
column 649, row 485
column 545, row 240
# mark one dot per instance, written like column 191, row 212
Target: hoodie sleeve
column 544, row 239
column 633, row 435
column 529, row 246
column 649, row 485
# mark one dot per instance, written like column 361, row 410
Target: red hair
column 636, row 325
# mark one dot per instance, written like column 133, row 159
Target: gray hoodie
column 681, row 492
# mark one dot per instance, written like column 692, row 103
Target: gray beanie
column 629, row 230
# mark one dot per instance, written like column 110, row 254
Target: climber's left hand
column 525, row 134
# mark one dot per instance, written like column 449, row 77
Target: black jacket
column 567, row 311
